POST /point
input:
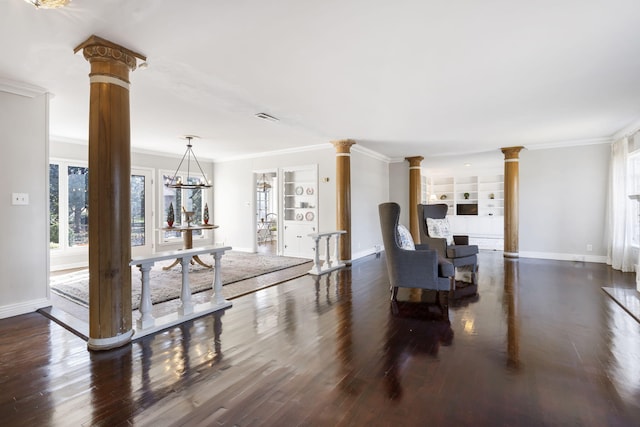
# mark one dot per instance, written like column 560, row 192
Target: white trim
column 99, row 78
column 564, row 256
column 511, row 254
column 627, row 130
column 511, row 160
column 23, row 307
column 111, row 342
column 415, row 168
column 343, row 154
column 368, row 152
column 274, row 153
column 570, row 143
column 366, row 252
column 20, row 88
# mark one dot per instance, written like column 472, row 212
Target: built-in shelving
column 475, row 205
column 300, row 209
column 485, row 191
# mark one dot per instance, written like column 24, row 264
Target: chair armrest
column 461, row 240
column 414, row 267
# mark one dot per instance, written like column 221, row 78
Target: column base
column 511, row 254
column 111, row 342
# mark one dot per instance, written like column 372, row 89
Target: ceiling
column 402, row 78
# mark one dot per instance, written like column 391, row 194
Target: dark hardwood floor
column 541, row 344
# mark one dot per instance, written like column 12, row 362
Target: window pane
column 193, row 202
column 171, row 196
column 137, row 210
column 54, row 208
column 78, row 204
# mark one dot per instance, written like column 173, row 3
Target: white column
column 217, row 297
column 185, row 293
column 146, row 319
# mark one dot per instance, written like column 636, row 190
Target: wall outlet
column 589, row 247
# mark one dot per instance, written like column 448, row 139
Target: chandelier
column 263, row 185
column 177, row 182
column 48, row 4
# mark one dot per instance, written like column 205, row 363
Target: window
column 54, row 208
column 633, row 178
column 78, row 204
column 138, row 237
column 182, row 201
column 69, row 207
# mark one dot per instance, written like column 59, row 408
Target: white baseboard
column 23, row 307
column 366, row 252
column 564, row 256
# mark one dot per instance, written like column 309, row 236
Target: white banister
column 146, row 323
column 330, row 262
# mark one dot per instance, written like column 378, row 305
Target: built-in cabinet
column 484, row 191
column 476, row 205
column 300, row 210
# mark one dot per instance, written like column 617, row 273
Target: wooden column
column 415, row 187
column 343, row 196
column 110, row 324
column 511, row 201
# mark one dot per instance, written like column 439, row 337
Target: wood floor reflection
column 540, row 345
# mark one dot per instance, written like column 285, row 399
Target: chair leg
column 394, row 293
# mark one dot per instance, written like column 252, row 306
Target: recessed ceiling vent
column 266, row 116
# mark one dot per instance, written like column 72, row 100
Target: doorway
column 267, row 208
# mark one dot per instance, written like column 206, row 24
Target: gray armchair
column 420, row 268
column 460, row 254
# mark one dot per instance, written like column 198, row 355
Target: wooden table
column 187, row 241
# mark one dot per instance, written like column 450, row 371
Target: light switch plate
column 19, row 198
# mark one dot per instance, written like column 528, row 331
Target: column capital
column 98, row 49
column 343, row 145
column 414, row 161
column 511, row 152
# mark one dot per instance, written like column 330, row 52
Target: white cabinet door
column 297, row 241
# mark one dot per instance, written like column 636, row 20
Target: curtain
column 620, row 253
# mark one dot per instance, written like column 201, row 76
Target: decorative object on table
column 188, row 216
column 170, row 215
column 205, row 215
column 443, row 197
column 310, row 191
column 299, row 190
column 466, row 195
column 492, row 196
column 177, row 182
column 309, row 216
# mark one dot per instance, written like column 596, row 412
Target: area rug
column 165, row 285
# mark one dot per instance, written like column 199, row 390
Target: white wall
column 399, row 188
column 563, row 194
column 369, row 188
column 234, row 198
column 24, row 169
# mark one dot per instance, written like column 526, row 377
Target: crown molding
column 627, row 130
column 306, row 148
column 20, row 88
column 369, row 152
column 569, row 143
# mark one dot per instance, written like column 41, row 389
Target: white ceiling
column 402, row 78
